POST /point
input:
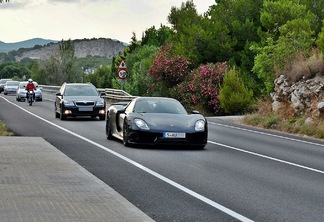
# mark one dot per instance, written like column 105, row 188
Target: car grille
column 85, row 103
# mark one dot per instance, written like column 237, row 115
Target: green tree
column 139, row 81
column 14, row 69
column 61, row 67
column 316, row 7
column 187, row 29
column 36, row 73
column 287, row 32
column 51, row 69
column 68, row 62
column 101, row 78
column 320, row 40
column 240, row 20
column 234, row 96
column 134, row 44
column 156, row 37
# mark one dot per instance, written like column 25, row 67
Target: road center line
column 267, row 134
column 267, row 157
column 140, row 166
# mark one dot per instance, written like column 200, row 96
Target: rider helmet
column 30, row 80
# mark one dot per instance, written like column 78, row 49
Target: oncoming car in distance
column 3, row 83
column 22, row 92
column 10, row 87
column 156, row 121
column 79, row 99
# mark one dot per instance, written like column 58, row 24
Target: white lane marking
column 268, row 157
column 267, row 134
column 140, row 166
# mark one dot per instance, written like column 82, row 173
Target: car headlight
column 141, row 124
column 68, row 103
column 200, row 125
column 100, row 103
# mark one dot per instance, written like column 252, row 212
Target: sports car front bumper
column 150, row 138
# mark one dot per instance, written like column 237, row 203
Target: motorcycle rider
column 30, row 86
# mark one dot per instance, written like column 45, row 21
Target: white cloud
column 78, row 19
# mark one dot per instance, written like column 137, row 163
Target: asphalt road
column 243, row 173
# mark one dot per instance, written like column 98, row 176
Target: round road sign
column 122, row 74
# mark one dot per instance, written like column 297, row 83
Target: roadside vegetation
column 4, row 131
column 284, row 121
column 218, row 63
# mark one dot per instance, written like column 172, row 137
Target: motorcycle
column 30, row 97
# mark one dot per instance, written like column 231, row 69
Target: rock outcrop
column 305, row 96
column 94, row 47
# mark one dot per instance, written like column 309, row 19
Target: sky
column 78, row 19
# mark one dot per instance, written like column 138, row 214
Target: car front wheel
column 108, row 129
column 62, row 117
column 125, row 133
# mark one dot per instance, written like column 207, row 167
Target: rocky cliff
column 83, row 48
column 305, row 96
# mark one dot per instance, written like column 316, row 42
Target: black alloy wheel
column 62, row 117
column 125, row 133
column 108, row 129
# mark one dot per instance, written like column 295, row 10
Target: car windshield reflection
column 159, row 106
column 80, row 91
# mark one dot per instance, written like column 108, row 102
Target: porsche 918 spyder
column 156, row 121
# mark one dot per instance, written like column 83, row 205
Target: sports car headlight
column 100, row 103
column 68, row 103
column 200, row 125
column 141, row 124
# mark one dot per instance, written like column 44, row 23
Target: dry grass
column 285, row 121
column 4, row 131
column 305, row 68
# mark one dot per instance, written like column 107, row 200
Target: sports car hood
column 171, row 122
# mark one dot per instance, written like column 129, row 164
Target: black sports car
column 156, row 121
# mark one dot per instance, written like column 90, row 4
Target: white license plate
column 85, row 109
column 174, row 135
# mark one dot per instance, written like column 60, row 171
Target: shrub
column 201, row 88
column 234, row 97
column 171, row 69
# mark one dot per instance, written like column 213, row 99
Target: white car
column 10, row 87
column 21, row 92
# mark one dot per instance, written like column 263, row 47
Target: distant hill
column 102, row 47
column 7, row 47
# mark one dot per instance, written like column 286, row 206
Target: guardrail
column 110, row 94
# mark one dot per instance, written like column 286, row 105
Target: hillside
column 86, row 47
column 83, row 48
column 7, row 47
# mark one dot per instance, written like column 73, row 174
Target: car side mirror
column 58, row 94
column 195, row 112
column 102, row 94
column 121, row 109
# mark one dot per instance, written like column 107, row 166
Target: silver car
column 3, row 83
column 21, row 92
column 10, row 87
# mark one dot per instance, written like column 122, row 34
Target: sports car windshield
column 159, row 106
